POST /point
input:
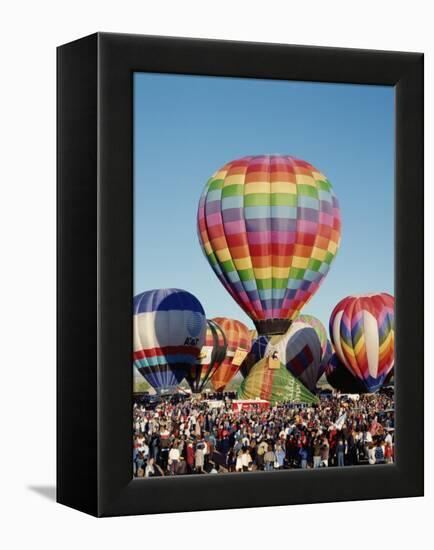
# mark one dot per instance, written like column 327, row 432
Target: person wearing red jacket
column 190, row 456
column 388, row 453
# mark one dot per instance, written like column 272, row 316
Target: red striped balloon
column 238, row 340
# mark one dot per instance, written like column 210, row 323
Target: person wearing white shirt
column 173, row 459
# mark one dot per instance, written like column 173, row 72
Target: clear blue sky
column 185, row 127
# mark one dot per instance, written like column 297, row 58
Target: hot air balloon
column 302, row 350
column 210, row 358
column 362, row 330
column 169, row 331
column 270, row 228
column 274, row 384
column 340, row 378
column 238, row 344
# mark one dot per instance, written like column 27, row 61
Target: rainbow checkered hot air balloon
column 270, row 227
column 169, row 327
column 362, row 330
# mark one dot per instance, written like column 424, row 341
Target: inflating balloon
column 340, row 378
column 270, row 228
column 168, row 330
column 362, row 330
column 238, row 342
column 210, row 358
column 302, row 349
column 257, row 352
column 274, row 384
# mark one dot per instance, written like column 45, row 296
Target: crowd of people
column 194, row 436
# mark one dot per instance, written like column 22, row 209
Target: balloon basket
column 270, row 327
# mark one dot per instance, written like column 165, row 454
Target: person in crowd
column 388, row 453
column 371, row 453
column 303, row 453
column 317, row 452
column 239, row 461
column 379, row 453
column 152, row 469
column 280, row 456
column 190, row 457
column 174, row 456
column 181, row 468
column 269, row 459
column 340, row 452
column 324, row 453
column 246, row 459
column 199, row 459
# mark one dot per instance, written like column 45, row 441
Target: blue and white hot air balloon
column 169, row 328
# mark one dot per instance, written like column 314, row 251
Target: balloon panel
column 317, row 326
column 325, row 359
column 257, row 352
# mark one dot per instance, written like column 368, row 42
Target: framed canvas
column 155, row 133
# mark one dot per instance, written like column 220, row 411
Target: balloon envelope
column 210, row 358
column 362, row 330
column 168, row 330
column 276, row 385
column 238, row 342
column 340, row 378
column 270, row 228
column 302, row 349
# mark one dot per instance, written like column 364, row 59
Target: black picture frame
column 95, row 285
